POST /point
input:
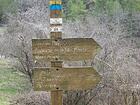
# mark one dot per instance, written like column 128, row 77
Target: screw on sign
column 56, row 50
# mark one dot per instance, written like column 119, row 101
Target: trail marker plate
column 55, row 20
column 64, row 49
column 56, row 28
column 55, row 2
column 48, row 79
column 56, row 7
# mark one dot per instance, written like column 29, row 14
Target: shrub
column 31, row 98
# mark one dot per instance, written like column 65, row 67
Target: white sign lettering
column 56, row 28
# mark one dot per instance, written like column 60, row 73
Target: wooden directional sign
column 74, row 49
column 47, row 79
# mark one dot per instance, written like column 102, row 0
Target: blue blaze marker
column 55, row 7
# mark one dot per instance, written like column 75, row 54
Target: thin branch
column 107, row 64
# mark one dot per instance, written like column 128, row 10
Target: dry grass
column 32, row 98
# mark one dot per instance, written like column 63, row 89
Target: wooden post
column 57, row 96
column 56, row 20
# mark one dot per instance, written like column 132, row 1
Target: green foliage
column 111, row 6
column 11, row 82
column 75, row 9
column 7, row 6
column 5, row 3
column 130, row 5
column 106, row 6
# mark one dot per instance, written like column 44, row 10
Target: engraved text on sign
column 65, row 78
column 64, row 49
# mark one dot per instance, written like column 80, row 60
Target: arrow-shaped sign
column 74, row 49
column 47, row 79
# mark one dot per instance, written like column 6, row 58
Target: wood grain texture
column 56, row 64
column 74, row 49
column 56, row 14
column 56, row 35
column 49, row 79
column 57, row 97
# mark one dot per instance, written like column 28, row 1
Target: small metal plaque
column 48, row 79
column 74, row 49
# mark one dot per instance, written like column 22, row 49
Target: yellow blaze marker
column 55, row 2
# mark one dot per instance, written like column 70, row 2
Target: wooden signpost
column 56, row 50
